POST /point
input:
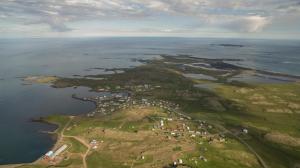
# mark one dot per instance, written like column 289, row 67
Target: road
column 258, row 157
column 62, row 135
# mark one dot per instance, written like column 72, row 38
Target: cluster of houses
column 142, row 88
column 134, row 88
column 168, row 106
column 94, row 144
column 177, row 163
column 107, row 103
column 180, row 129
column 112, row 102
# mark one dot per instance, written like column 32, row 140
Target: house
column 203, row 158
column 161, row 123
column 245, row 130
column 94, row 144
column 174, row 163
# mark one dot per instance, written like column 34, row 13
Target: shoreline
column 53, row 134
column 265, row 72
column 62, row 125
column 50, row 133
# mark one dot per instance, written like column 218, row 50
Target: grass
column 102, row 160
column 106, row 157
column 76, row 146
column 273, row 156
column 81, row 125
column 59, row 120
column 259, row 121
column 147, row 159
column 177, row 148
column 228, row 155
column 259, row 117
column 233, row 105
column 31, row 166
column 74, row 161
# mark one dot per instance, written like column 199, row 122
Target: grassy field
column 272, row 118
column 129, row 139
column 101, row 160
column 58, row 120
column 76, row 146
column 158, row 150
column 127, row 144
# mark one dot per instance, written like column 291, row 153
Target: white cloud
column 231, row 15
column 157, row 5
column 248, row 24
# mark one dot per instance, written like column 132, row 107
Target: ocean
column 23, row 141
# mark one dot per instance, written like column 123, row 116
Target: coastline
column 140, row 71
column 55, row 134
column 52, row 134
column 12, row 165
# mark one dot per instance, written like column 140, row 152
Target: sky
column 279, row 19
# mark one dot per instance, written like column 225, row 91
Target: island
column 179, row 111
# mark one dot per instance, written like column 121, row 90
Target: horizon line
column 124, row 36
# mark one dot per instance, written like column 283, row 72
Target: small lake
column 199, row 76
column 261, row 78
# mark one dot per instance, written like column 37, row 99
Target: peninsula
column 180, row 111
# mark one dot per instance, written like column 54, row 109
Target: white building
column 161, row 123
column 59, row 151
column 245, row 131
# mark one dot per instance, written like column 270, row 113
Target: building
column 161, row 123
column 48, row 155
column 59, row 151
column 245, row 131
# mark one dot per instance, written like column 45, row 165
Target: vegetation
column 100, row 160
column 269, row 112
column 59, row 120
column 76, row 146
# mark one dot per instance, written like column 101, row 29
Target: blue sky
column 181, row 18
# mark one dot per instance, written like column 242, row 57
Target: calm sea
column 22, row 140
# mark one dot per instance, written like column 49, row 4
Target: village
column 138, row 124
column 111, row 102
column 153, row 116
column 173, row 125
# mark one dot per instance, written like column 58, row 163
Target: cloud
column 57, row 24
column 233, row 15
column 248, row 24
